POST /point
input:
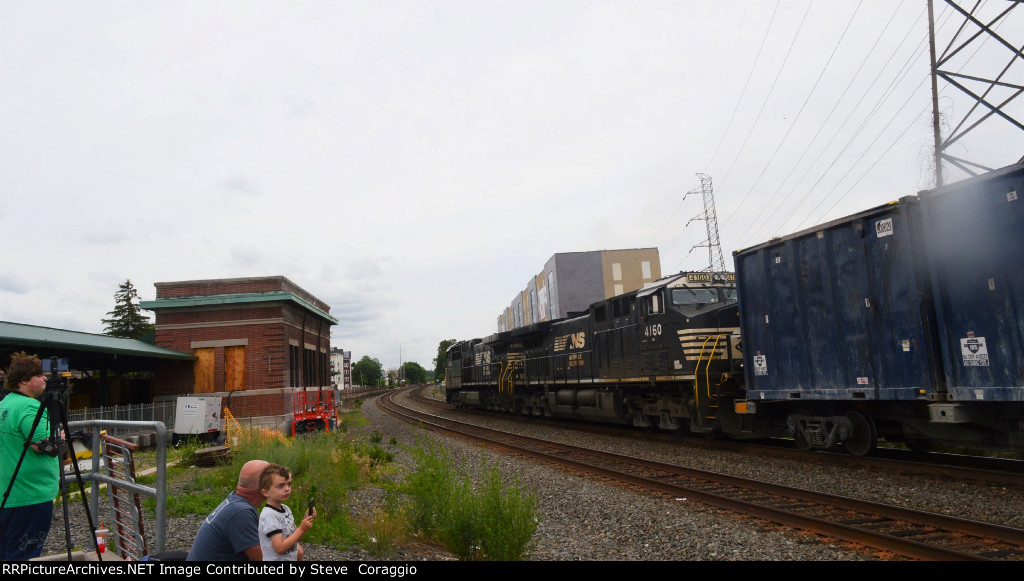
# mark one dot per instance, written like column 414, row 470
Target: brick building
column 256, row 342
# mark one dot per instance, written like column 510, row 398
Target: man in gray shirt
column 231, row 531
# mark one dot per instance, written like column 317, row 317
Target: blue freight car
column 976, row 256
column 975, row 241
column 895, row 322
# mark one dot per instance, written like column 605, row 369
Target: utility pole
column 716, row 263
column 935, row 97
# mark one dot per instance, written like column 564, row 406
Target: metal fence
column 100, row 474
column 164, row 411
column 161, row 411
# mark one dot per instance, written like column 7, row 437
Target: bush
column 507, row 518
column 490, row 522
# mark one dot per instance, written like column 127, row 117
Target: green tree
column 368, row 371
column 127, row 320
column 414, row 372
column 441, row 362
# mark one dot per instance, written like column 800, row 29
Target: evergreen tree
column 127, row 320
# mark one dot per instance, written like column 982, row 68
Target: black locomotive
column 667, row 356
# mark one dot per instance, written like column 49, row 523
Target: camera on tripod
column 56, row 366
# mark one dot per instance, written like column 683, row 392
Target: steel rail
column 994, row 471
column 904, row 546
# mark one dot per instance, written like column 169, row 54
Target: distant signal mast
column 716, row 263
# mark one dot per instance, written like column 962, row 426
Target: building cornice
column 235, row 299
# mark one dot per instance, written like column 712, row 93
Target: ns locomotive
column 903, row 322
column 667, row 356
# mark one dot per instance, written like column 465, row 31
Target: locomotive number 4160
column 652, row 330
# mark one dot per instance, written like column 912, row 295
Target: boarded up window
column 234, row 368
column 293, row 365
column 203, row 370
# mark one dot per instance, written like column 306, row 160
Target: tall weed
column 492, row 521
column 326, row 463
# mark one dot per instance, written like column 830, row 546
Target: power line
column 745, row 85
column 804, row 105
column 732, row 58
column 886, row 94
column 763, row 105
column 870, row 145
column 916, row 117
column 867, row 171
column 821, row 126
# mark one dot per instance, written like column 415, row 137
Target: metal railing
column 98, row 474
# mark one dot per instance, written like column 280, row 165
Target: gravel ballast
column 586, row 519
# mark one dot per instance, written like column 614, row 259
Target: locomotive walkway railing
column 710, row 404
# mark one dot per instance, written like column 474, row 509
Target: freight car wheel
column 799, row 438
column 865, row 436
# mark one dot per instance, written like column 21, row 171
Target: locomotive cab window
column 729, row 294
column 694, row 296
column 654, row 304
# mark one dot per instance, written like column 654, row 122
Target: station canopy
column 83, row 350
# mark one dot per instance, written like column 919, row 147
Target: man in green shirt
column 28, row 508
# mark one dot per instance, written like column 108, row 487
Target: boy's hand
column 307, row 521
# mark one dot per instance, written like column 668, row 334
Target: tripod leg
column 63, row 413
column 67, row 519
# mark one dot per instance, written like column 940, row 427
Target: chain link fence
column 161, row 411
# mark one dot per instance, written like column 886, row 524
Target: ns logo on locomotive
column 901, row 322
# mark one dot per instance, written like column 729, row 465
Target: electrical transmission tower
column 715, row 261
column 988, row 87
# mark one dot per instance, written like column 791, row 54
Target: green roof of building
column 231, row 299
column 28, row 337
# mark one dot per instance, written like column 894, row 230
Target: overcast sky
column 415, row 163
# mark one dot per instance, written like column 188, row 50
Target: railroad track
column 989, row 470
column 906, row 532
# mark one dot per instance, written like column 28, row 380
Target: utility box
column 197, row 416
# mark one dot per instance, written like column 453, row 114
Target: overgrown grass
column 386, row 529
column 328, row 464
column 490, row 520
column 475, row 516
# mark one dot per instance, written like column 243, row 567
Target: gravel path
column 584, row 519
